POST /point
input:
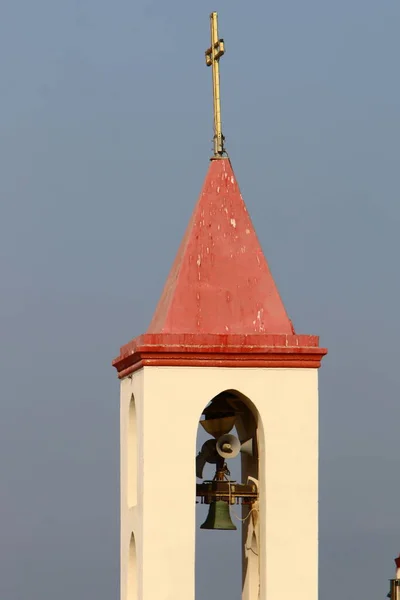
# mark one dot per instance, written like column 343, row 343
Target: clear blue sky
column 105, row 134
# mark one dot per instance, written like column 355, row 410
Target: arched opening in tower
column 227, row 494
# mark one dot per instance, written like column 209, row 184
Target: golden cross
column 213, row 54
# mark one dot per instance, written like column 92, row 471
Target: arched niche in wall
column 132, row 454
column 132, row 583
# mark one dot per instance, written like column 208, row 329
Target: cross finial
column 213, row 54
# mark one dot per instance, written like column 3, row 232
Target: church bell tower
column 220, row 351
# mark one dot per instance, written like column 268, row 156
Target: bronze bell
column 218, row 517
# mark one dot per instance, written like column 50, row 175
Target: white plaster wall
column 131, row 517
column 169, row 402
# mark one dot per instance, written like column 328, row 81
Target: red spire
column 220, row 282
column 220, row 306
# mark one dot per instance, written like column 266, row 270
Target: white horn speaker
column 247, row 447
column 228, row 446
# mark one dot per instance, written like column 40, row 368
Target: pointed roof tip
column 220, row 282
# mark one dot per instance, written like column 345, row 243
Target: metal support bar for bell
column 229, row 491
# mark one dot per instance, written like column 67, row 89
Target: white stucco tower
column 220, row 330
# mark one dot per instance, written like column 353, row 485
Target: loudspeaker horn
column 228, row 446
column 248, row 447
column 207, row 454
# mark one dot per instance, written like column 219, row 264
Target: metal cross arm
column 219, row 50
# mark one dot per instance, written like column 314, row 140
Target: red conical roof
column 220, row 282
column 220, row 306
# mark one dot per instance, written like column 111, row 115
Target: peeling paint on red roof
column 220, row 282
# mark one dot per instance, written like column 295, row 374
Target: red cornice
column 219, row 350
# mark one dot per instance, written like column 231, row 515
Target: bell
column 218, row 517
